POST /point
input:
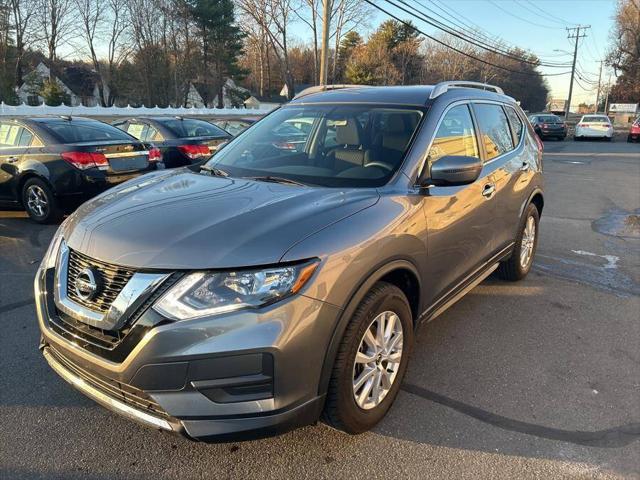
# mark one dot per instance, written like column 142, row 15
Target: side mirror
column 453, row 170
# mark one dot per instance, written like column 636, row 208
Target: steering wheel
column 379, row 164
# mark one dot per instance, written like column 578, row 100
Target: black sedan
column 49, row 165
column 549, row 126
column 182, row 141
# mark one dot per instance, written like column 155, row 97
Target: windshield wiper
column 273, row 179
column 213, row 171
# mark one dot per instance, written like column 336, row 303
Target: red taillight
column 155, row 155
column 195, row 151
column 85, row 160
column 544, row 125
column 583, row 125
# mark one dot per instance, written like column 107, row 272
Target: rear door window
column 12, row 135
column 494, row 129
column 455, row 136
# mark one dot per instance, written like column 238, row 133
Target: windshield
column 550, row 119
column 188, row 127
column 593, row 119
column 326, row 145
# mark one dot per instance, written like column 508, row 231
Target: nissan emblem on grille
column 86, row 284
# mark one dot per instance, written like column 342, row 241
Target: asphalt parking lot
column 538, row 379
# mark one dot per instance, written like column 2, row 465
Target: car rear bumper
column 593, row 133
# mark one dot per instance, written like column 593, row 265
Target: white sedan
column 594, row 126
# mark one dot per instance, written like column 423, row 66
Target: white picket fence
column 29, row 110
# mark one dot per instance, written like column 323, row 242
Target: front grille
column 113, row 278
column 132, row 396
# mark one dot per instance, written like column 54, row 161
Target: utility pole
column 606, row 99
column 574, row 33
column 598, row 94
column 324, row 55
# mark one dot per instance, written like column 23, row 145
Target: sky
column 535, row 25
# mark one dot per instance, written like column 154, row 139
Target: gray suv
column 283, row 281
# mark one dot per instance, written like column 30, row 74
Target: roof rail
column 324, row 88
column 443, row 87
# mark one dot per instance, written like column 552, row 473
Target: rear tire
column 349, row 406
column 40, row 202
column 518, row 265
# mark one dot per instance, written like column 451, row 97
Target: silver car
column 283, row 282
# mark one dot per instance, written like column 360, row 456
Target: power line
column 407, row 24
column 546, row 14
column 521, row 18
column 439, row 25
column 469, row 39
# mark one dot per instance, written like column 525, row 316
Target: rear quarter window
column 516, row 123
column 78, row 132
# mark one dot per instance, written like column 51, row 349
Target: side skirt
column 464, row 287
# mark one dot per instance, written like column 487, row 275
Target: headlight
column 207, row 293
column 50, row 257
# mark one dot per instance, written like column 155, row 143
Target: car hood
column 179, row 219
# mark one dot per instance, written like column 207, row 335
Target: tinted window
column 516, row 123
column 188, row 127
column 550, row 119
column 494, row 129
column 328, row 145
column 455, row 135
column 69, row 131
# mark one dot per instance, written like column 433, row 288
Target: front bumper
column 245, row 374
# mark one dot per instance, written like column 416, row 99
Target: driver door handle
column 488, row 190
column 12, row 159
column 525, row 166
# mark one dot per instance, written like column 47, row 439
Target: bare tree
column 23, row 13
column 310, row 16
column 275, row 17
column 56, row 23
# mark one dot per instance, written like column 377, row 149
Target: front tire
column 371, row 361
column 40, row 202
column 517, row 266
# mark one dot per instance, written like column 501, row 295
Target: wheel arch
column 400, row 273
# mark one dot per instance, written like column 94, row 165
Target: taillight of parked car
column 195, row 151
column 584, row 125
column 155, row 155
column 85, row 160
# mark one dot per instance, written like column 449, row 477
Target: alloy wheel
column 528, row 242
column 378, row 360
column 37, row 200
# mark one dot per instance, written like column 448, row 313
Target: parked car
column 50, row 165
column 182, row 141
column 234, row 126
column 549, row 126
column 594, row 126
column 273, row 287
column 634, row 131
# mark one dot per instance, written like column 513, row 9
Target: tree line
column 152, row 52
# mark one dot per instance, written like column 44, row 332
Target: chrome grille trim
column 139, row 287
column 114, row 279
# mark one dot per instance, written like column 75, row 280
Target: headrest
column 347, row 134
